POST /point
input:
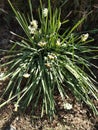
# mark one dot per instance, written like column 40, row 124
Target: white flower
column 52, row 56
column 34, row 24
column 45, row 58
column 64, row 44
column 48, row 65
column 47, row 36
column 84, row 37
column 29, row 27
column 32, row 31
column 45, row 12
column 67, row 106
column 26, row 75
column 33, row 37
column 58, row 43
column 42, row 44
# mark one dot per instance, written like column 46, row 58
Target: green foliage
column 47, row 62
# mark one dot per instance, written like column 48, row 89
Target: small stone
column 17, row 118
column 67, row 106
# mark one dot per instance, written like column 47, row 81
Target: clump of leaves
column 49, row 62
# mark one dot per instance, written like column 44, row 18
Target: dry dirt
column 78, row 118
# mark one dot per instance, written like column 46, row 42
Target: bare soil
column 78, row 118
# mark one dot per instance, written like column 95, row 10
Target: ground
column 78, row 118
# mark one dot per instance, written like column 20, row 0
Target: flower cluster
column 45, row 12
column 33, row 26
column 50, row 59
column 42, row 44
column 48, row 65
column 52, row 56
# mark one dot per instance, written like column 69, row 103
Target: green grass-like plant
column 47, row 62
